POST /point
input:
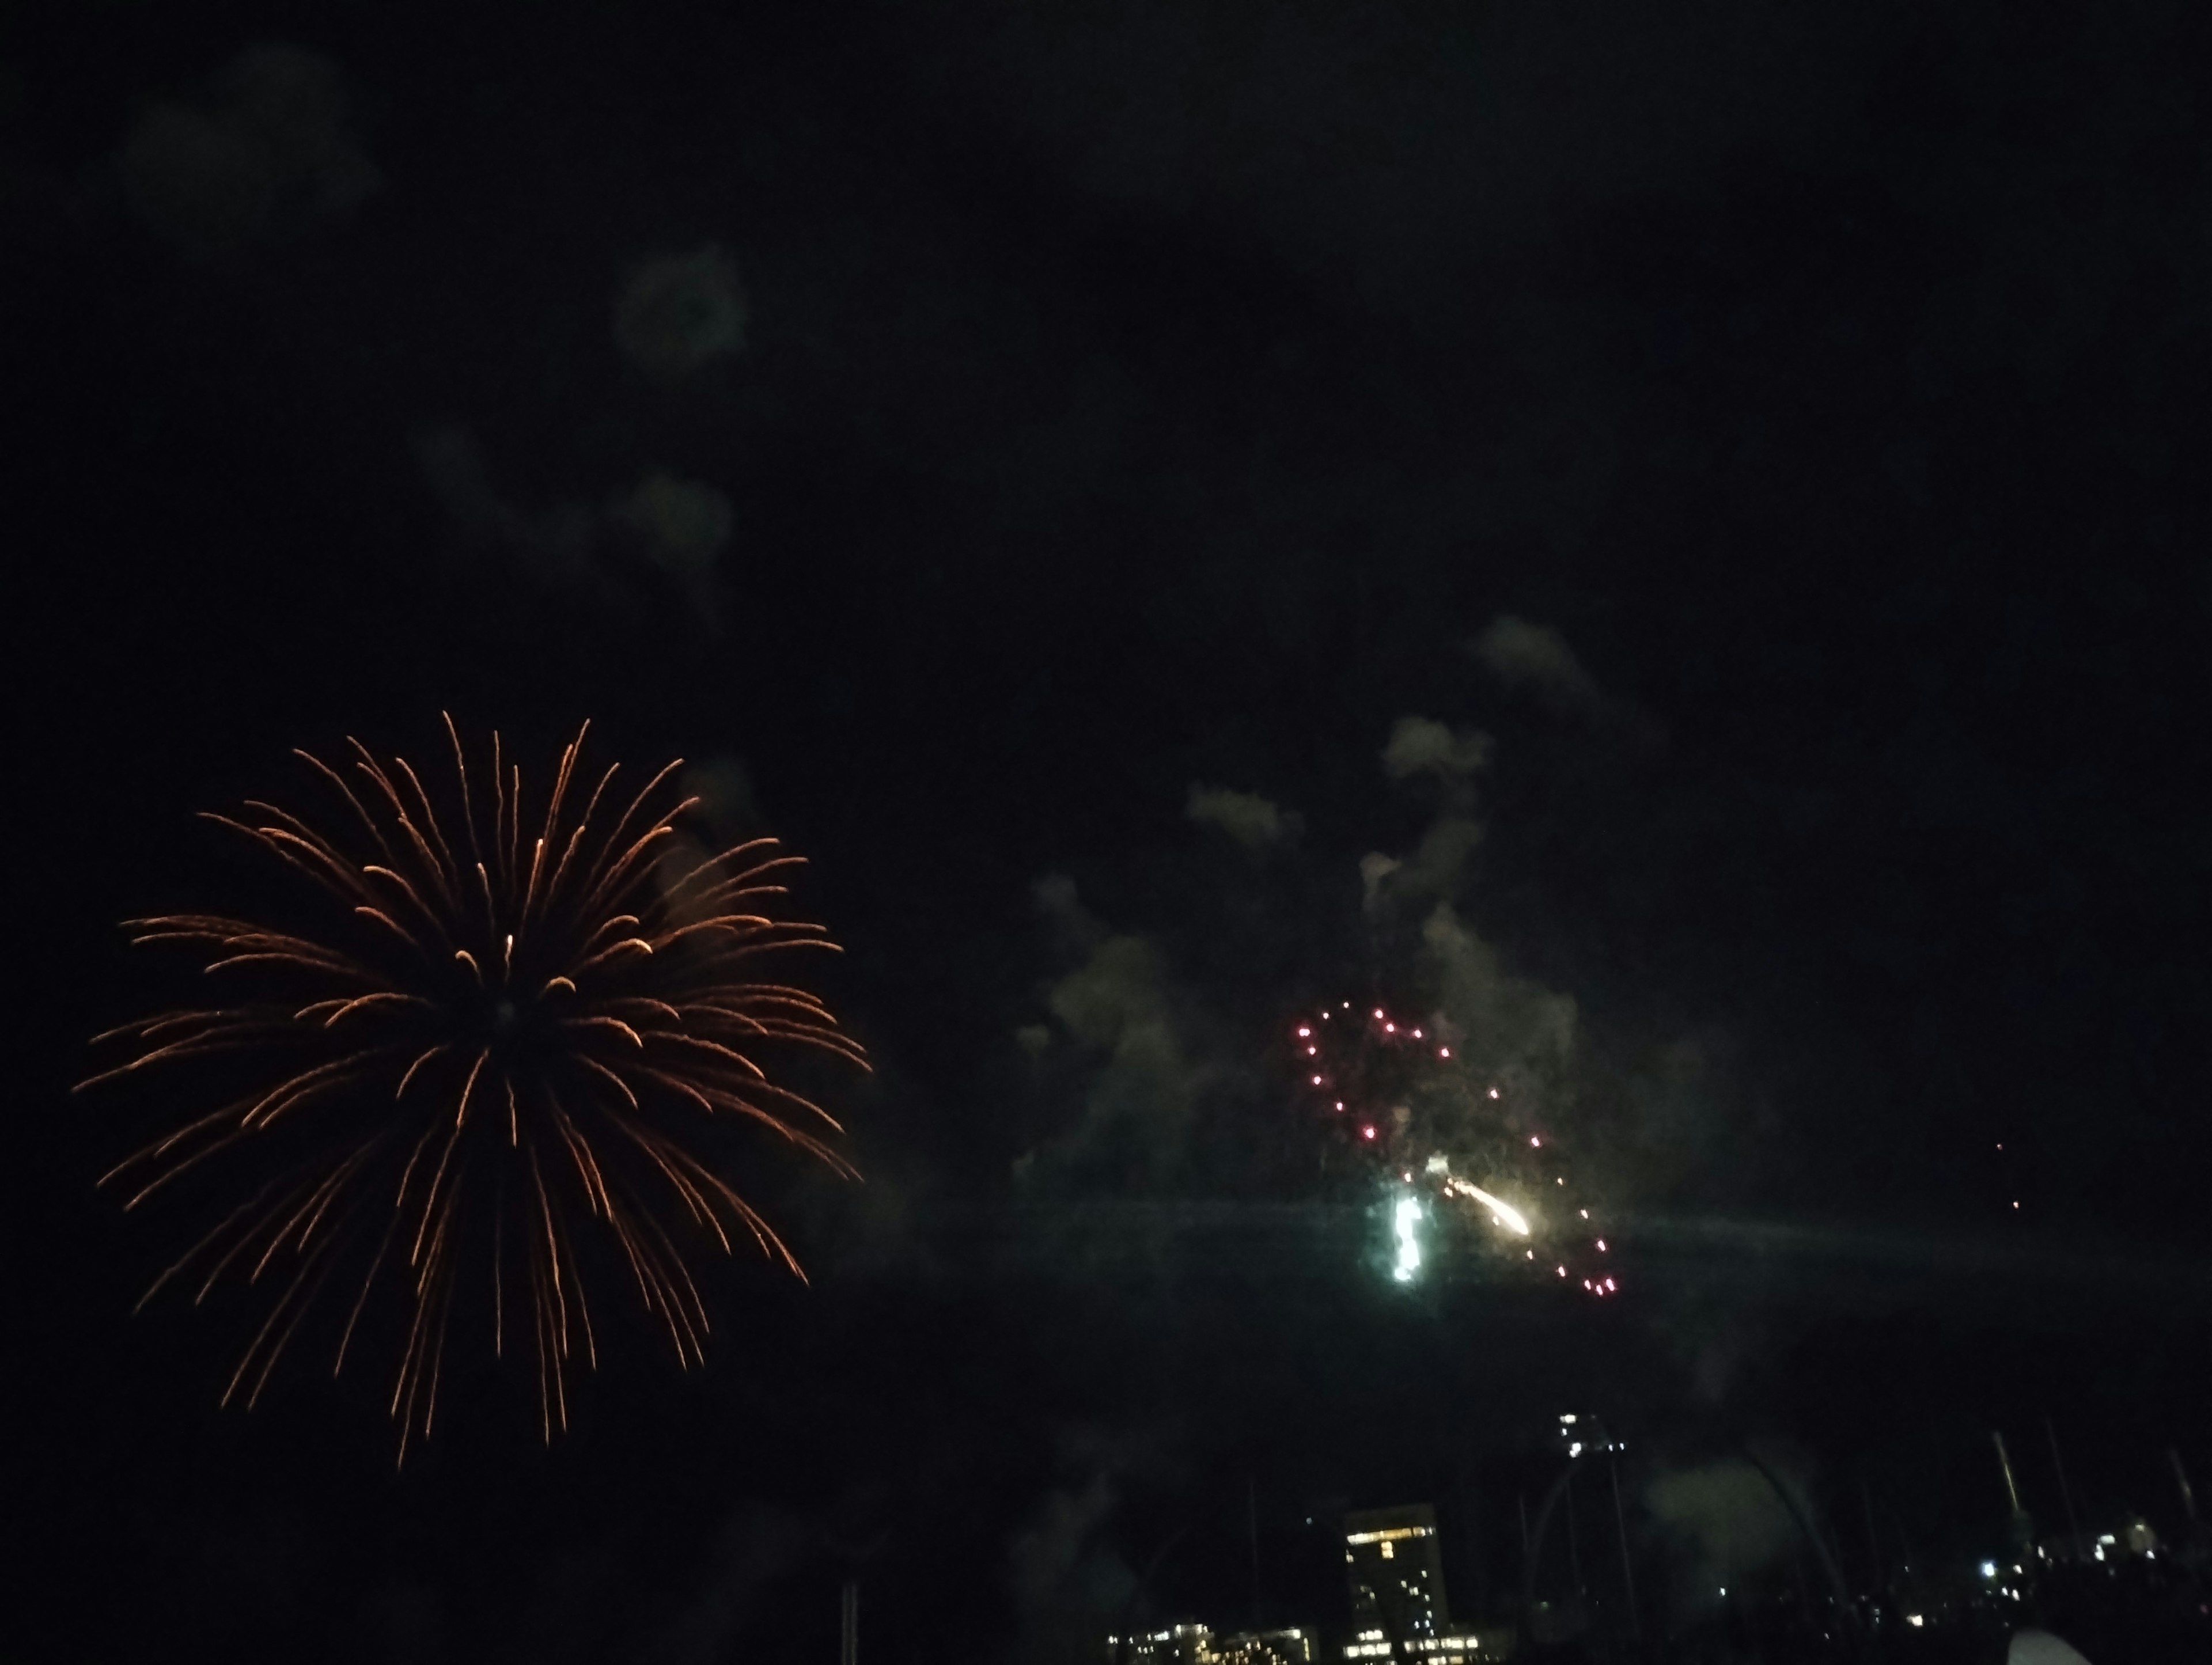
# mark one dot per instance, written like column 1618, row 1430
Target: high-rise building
column 1186, row 1644
column 1394, row 1562
column 1290, row 1647
column 1192, row 1643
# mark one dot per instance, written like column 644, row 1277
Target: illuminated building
column 1291, row 1647
column 1394, row 1564
column 1191, row 1644
column 1178, row 1645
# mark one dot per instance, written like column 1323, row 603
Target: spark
column 1503, row 1211
column 590, row 986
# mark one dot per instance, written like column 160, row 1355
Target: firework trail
column 496, row 1052
column 1401, row 1104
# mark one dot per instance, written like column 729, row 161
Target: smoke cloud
column 667, row 524
column 1139, row 1082
column 681, row 527
column 1070, row 1587
column 1251, row 820
column 676, row 315
column 1536, row 659
column 758, row 1545
column 265, row 150
column 1420, row 745
column 1725, row 1522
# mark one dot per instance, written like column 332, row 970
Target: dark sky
column 1763, row 445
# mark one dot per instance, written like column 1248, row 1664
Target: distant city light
column 1989, row 1569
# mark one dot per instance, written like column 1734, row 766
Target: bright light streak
column 1405, row 1221
column 1504, row 1212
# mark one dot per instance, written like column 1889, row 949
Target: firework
column 1399, row 1102
column 485, row 1058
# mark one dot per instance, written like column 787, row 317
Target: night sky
column 1669, row 538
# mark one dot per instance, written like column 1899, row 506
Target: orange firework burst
column 488, row 1041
